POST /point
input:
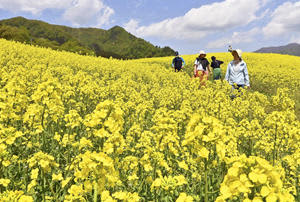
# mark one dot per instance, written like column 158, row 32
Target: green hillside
column 115, row 42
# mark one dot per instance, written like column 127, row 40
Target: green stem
column 274, row 149
column 297, row 187
column 44, row 184
column 206, row 183
column 95, row 193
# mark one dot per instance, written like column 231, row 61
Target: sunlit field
column 81, row 128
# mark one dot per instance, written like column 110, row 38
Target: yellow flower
column 183, row 165
column 233, row 171
column 148, row 167
column 264, row 191
column 133, row 177
column 156, row 183
column 271, row 198
column 88, row 186
column 84, row 143
column 6, row 163
column 253, row 177
column 108, row 148
column 262, row 178
column 4, row 182
column 57, row 177
column 225, row 191
column 34, row 174
column 65, row 182
column 25, row 198
column 257, row 199
column 75, row 190
column 183, row 197
column 134, row 197
column 44, row 164
column 180, row 180
column 10, row 140
column 120, row 195
column 31, row 185
column 204, row 153
column 105, row 197
column 57, row 137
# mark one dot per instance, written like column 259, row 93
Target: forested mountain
column 290, row 49
column 115, row 42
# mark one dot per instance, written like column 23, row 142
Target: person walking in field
column 215, row 64
column 201, row 67
column 237, row 72
column 178, row 62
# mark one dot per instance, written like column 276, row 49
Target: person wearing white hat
column 237, row 71
column 201, row 66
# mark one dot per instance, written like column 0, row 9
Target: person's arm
column 246, row 76
column 227, row 73
column 183, row 62
column 173, row 62
column 195, row 67
column 220, row 62
column 208, row 66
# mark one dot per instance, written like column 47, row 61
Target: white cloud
column 105, row 18
column 284, row 20
column 78, row 12
column 33, row 6
column 132, row 25
column 199, row 22
column 83, row 11
column 295, row 39
column 265, row 2
column 237, row 38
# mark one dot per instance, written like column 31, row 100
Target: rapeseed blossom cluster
column 81, row 128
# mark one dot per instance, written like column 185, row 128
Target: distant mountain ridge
column 290, row 49
column 115, row 42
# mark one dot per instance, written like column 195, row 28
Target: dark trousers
column 178, row 69
column 237, row 87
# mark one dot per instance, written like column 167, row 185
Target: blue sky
column 187, row 26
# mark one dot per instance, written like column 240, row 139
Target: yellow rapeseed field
column 80, row 128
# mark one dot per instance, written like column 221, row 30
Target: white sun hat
column 202, row 52
column 239, row 52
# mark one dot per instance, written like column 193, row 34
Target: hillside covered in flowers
column 81, row 128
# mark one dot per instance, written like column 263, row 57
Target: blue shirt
column 183, row 62
column 237, row 74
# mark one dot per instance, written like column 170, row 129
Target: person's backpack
column 200, row 67
column 216, row 64
column 178, row 62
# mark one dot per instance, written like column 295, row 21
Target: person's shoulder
column 205, row 60
column 243, row 63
